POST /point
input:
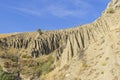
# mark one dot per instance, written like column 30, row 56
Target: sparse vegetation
column 26, row 56
column 102, row 72
column 39, row 31
column 45, row 67
column 6, row 64
column 38, row 67
column 110, row 10
column 104, row 64
column 84, row 66
column 107, row 58
column 9, row 56
column 5, row 75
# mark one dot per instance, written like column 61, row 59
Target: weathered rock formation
column 77, row 42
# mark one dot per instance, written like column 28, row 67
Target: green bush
column 110, row 10
column 39, row 31
column 45, row 67
column 0, row 68
column 1, row 72
column 14, row 58
column 5, row 76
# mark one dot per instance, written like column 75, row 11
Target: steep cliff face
column 80, row 48
column 41, row 44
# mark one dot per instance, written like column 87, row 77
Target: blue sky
column 29, row 15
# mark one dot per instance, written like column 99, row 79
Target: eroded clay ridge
column 50, row 41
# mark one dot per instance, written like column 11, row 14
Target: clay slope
column 100, row 61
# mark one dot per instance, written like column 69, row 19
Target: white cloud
column 81, row 8
column 64, row 12
column 81, row 3
column 29, row 11
column 59, row 11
